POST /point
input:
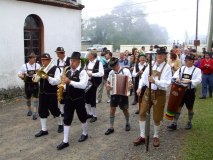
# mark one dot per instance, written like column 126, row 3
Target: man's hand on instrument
column 186, row 81
column 89, row 73
column 151, row 79
column 22, row 76
column 138, row 92
column 178, row 80
column 130, row 85
column 108, row 86
column 65, row 80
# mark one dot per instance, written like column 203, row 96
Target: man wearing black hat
column 49, row 79
column 206, row 65
column 76, row 80
column 190, row 76
column 31, row 88
column 95, row 72
column 118, row 100
column 160, row 80
column 62, row 62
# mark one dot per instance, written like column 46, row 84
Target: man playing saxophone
column 75, row 80
column 49, row 80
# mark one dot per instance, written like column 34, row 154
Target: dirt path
column 17, row 141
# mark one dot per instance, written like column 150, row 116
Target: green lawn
column 198, row 144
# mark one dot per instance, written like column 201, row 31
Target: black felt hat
column 113, row 61
column 161, row 50
column 59, row 49
column 46, row 56
column 76, row 55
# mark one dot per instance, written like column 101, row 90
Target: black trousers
column 69, row 109
column 48, row 102
column 91, row 96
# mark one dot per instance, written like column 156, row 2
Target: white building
column 38, row 25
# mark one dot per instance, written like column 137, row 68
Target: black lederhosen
column 48, row 97
column 31, row 89
column 96, row 81
column 91, row 96
column 188, row 99
column 121, row 101
column 74, row 99
column 189, row 95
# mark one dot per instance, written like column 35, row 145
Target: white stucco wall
column 62, row 27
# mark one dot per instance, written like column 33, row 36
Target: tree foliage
column 124, row 25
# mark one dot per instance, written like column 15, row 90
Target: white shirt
column 140, row 66
column 23, row 69
column 56, row 80
column 125, row 72
column 165, row 79
column 83, row 80
column 100, row 72
column 196, row 76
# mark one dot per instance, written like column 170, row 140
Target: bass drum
column 176, row 95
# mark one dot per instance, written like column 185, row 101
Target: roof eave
column 57, row 4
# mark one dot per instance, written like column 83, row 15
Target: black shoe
column 93, row 119
column 35, row 116
column 172, row 127
column 83, row 138
column 109, row 131
column 60, row 128
column 202, row 97
column 137, row 112
column 29, row 113
column 134, row 103
column 41, row 133
column 127, row 128
column 89, row 116
column 62, row 145
column 210, row 95
column 188, row 125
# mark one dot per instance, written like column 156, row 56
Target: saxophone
column 60, row 90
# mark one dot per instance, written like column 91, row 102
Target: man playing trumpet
column 75, row 80
column 49, row 80
column 31, row 89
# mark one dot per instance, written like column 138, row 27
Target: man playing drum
column 160, row 81
column 190, row 76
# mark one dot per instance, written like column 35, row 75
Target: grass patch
column 198, row 143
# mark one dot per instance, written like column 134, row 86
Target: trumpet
column 41, row 73
column 61, row 86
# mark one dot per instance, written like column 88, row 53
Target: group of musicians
column 152, row 78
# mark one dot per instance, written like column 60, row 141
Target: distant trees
column 124, row 25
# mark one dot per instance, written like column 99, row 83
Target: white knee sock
column 43, row 124
column 66, row 134
column 61, row 106
column 88, row 109
column 93, row 111
column 142, row 128
column 156, row 130
column 85, row 128
column 59, row 120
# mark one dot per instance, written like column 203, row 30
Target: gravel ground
column 17, row 141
